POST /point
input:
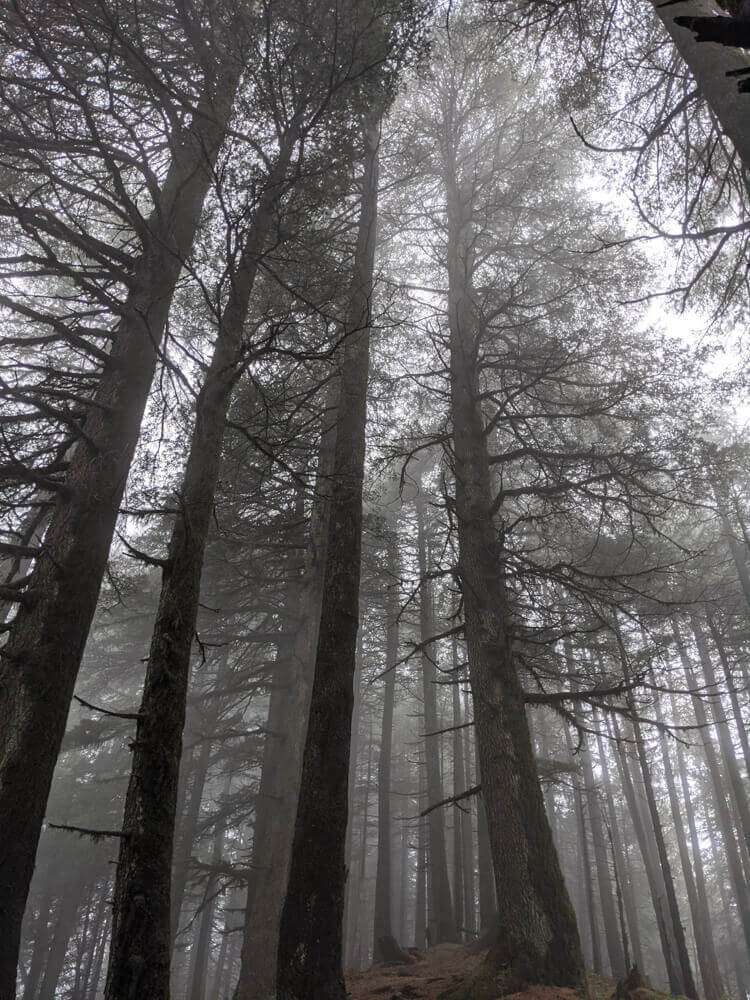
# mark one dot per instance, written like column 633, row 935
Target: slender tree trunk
column 731, row 845
column 384, row 874
column 619, row 857
column 40, row 661
column 310, row 959
column 609, row 914
column 467, row 837
column 712, row 984
column 653, row 874
column 586, row 868
column 140, row 952
column 203, row 938
column 709, row 967
column 95, row 935
column 351, row 892
column 420, row 912
column 740, row 724
column 685, row 984
column 441, row 919
column 463, row 856
column 42, row 924
column 189, row 828
column 537, row 938
column 729, row 760
column 288, row 709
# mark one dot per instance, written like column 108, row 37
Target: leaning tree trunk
column 140, row 951
column 537, row 938
column 382, row 927
column 310, row 945
column 709, row 64
column 45, row 645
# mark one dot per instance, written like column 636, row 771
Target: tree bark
column 440, row 916
column 288, row 709
column 41, row 659
column 538, row 938
column 140, row 951
column 310, row 938
column 585, row 868
column 384, row 876
column 729, row 836
column 626, row 887
column 709, row 64
column 706, row 952
column 199, row 974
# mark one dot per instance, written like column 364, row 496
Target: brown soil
column 441, row 968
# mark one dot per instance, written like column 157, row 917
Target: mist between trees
column 374, row 547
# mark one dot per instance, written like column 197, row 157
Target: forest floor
column 443, row 967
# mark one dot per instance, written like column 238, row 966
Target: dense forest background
column 514, row 236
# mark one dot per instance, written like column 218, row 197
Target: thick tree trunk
column 141, row 942
column 384, row 876
column 538, row 938
column 709, row 63
column 440, row 916
column 41, row 659
column 310, row 959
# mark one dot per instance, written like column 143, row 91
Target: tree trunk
column 742, row 729
column 463, row 861
column 731, row 845
column 41, row 659
column 289, row 705
column 440, row 916
column 585, row 866
column 183, row 852
column 709, row 64
column 709, row 967
column 203, row 937
column 384, row 876
column 65, row 925
column 729, row 760
column 351, row 891
column 420, row 901
column 538, row 938
column 140, row 951
column 626, row 887
column 310, row 959
column 685, row 982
